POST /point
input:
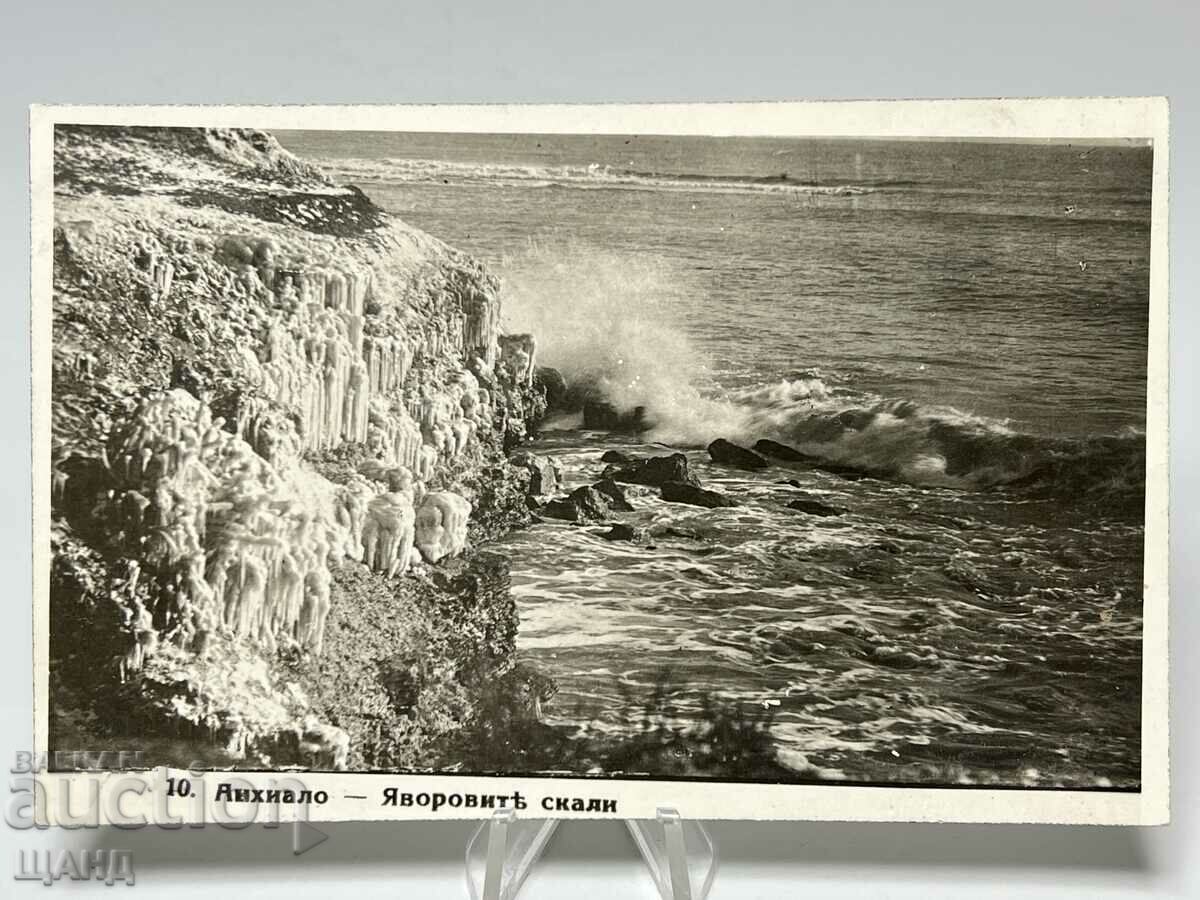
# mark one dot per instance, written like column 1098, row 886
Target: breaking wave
column 593, row 176
column 903, row 440
column 940, row 446
column 608, row 321
column 611, row 322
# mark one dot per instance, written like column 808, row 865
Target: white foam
column 593, row 176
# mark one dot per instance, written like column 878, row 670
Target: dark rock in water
column 657, row 470
column 551, row 381
column 684, row 492
column 1072, row 559
column 815, row 508
column 580, row 391
column 599, row 414
column 620, row 458
column 776, row 450
column 603, row 416
column 585, row 504
column 783, row 451
column 623, row 532
column 614, row 494
column 731, row 454
column 545, row 477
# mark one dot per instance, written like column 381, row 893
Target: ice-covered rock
column 518, row 353
column 441, row 525
column 329, row 365
column 239, row 543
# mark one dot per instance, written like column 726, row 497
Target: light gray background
column 391, row 52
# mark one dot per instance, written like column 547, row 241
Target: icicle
column 388, row 533
column 463, row 431
column 315, row 609
column 352, row 511
column 426, row 463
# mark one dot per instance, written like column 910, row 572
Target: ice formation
column 330, row 368
column 441, row 525
column 519, row 353
column 246, row 546
column 388, row 533
column 314, row 360
column 238, row 545
column 219, row 511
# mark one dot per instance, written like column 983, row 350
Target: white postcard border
column 1092, row 119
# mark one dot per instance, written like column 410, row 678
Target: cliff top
column 239, row 170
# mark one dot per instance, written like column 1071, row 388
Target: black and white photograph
column 657, row 461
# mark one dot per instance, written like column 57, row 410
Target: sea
column 959, row 329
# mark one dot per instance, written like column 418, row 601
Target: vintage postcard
column 765, row 461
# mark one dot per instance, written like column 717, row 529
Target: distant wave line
column 589, row 176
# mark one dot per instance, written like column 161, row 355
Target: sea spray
column 616, row 322
column 619, row 324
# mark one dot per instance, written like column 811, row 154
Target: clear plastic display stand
column 680, row 854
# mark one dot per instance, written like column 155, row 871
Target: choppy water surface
column 926, row 633
column 965, row 321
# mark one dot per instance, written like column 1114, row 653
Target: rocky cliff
column 280, row 420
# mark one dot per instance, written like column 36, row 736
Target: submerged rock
column 614, row 493
column 619, row 458
column 815, row 507
column 584, row 504
column 686, row 492
column 545, row 476
column 623, row 532
column 657, row 470
column 731, row 454
column 899, row 658
column 777, row 450
column 783, row 451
